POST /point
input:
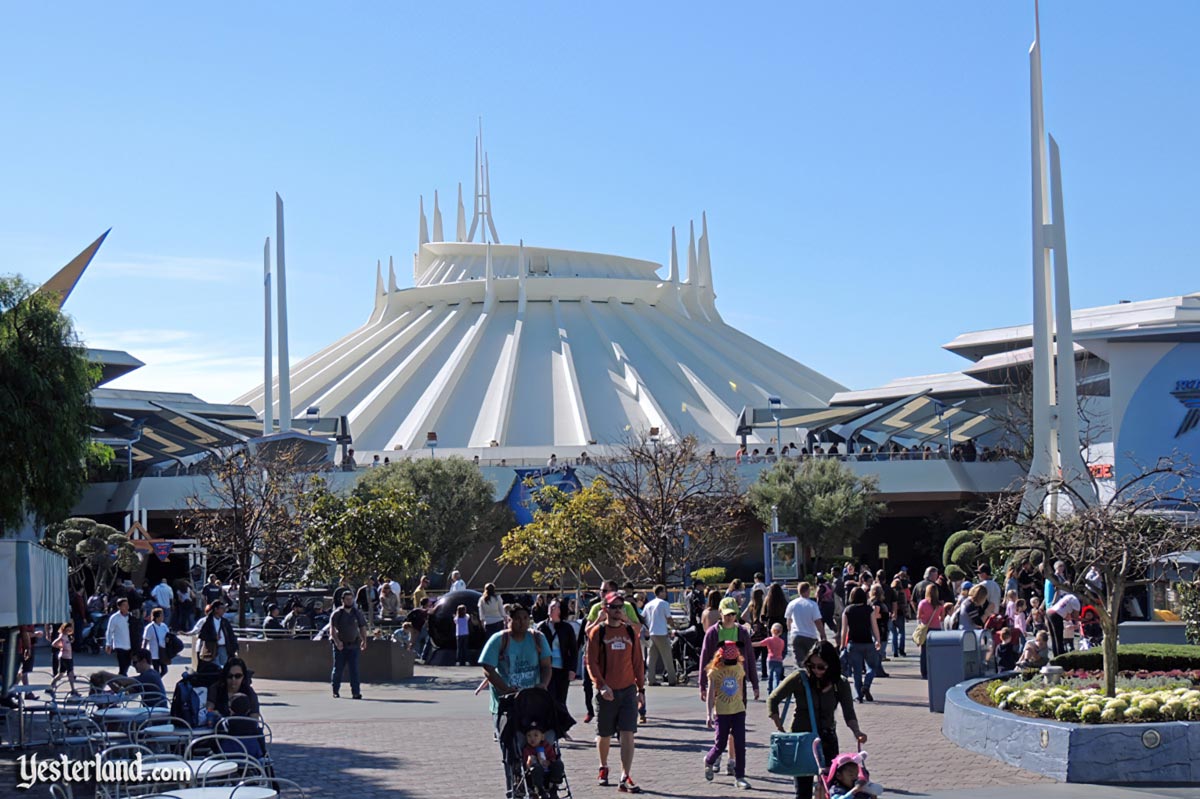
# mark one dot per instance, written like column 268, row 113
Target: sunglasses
column 817, row 666
column 616, row 607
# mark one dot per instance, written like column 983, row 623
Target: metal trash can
column 951, row 656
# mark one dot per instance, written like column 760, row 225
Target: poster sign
column 162, row 549
column 883, row 551
column 781, row 557
column 848, row 551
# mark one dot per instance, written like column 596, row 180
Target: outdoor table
column 21, row 692
column 213, row 768
column 223, row 792
column 125, row 716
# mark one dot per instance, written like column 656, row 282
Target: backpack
column 186, row 704
column 172, row 645
column 825, row 593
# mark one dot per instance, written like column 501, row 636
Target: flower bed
column 1141, row 697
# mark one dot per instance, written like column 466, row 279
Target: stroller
column 517, row 713
column 685, row 651
column 863, row 787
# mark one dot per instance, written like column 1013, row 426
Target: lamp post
column 776, row 406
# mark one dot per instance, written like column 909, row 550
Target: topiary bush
column 967, row 556
column 954, row 541
column 995, row 546
column 1135, row 657
column 711, row 575
column 954, row 572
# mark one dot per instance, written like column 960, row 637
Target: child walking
column 775, row 646
column 462, row 635
column 66, row 657
column 727, row 700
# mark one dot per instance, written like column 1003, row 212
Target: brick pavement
column 431, row 737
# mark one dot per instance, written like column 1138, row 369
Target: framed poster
column 781, row 557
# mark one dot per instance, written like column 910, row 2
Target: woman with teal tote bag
column 820, row 677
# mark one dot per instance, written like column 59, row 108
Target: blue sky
column 864, row 166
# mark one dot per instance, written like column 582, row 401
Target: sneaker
column 741, row 783
column 356, row 696
column 708, row 771
column 730, row 767
column 588, row 718
column 602, row 777
column 627, row 786
column 716, row 764
column 641, row 718
column 335, row 693
column 867, row 696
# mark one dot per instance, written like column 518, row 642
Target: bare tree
column 676, row 506
column 1111, row 542
column 249, row 516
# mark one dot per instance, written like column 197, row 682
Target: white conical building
column 534, row 350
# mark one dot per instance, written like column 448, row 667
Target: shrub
column 954, row 541
column 966, row 556
column 954, row 572
column 1135, row 657
column 995, row 545
column 711, row 575
column 1189, row 601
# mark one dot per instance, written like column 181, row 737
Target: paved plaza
column 431, row 737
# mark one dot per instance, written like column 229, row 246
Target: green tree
column 570, row 532
column 820, row 501
column 45, row 402
column 458, row 506
column 96, row 553
column 356, row 536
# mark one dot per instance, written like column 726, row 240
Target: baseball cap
column 729, row 651
column 614, row 598
column 730, row 605
column 967, row 585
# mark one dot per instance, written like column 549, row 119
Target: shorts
column 619, row 714
column 27, row 664
column 65, row 665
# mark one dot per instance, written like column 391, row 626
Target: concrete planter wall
column 312, row 661
column 1160, row 752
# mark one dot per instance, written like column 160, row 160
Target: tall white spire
column 489, row 285
column 482, row 218
column 378, row 277
column 285, row 364
column 268, row 372
column 437, row 219
column 460, row 233
column 423, row 231
column 391, row 275
column 1056, row 453
column 521, row 270
column 692, row 276
column 673, row 272
column 705, row 262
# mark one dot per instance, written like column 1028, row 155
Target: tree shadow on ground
column 335, row 771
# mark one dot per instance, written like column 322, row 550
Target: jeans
column 829, row 747
column 462, row 655
column 924, row 668
column 774, row 674
column 897, row 637
column 124, row 657
column 346, row 660
column 862, row 660
column 1056, row 633
column 800, row 648
column 423, row 642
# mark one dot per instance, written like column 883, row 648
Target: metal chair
column 61, row 790
column 247, row 768
column 213, row 743
column 81, row 734
column 153, row 787
column 146, row 732
column 117, row 790
column 284, row 789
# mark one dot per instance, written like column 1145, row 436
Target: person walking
column 185, row 606
column 805, row 622
column 214, row 633
column 348, row 634
column 491, row 610
column 656, row 613
column 457, row 583
column 726, row 677
column 154, row 640
column 822, row 671
column 564, row 652
column 930, row 614
column 727, row 630
column 117, row 637
column 164, row 596
column 860, row 638
column 898, row 615
column 619, row 674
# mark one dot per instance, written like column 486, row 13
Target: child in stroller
column 847, row 778
column 685, row 651
column 525, row 717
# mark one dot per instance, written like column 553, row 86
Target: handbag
column 920, row 634
column 797, row 754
